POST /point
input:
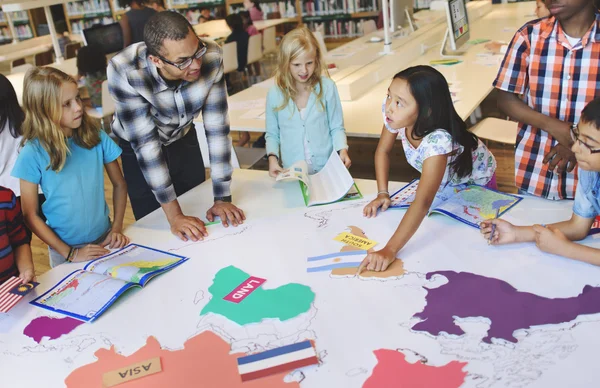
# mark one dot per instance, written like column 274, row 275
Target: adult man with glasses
column 159, row 86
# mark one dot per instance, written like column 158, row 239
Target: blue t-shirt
column 75, row 207
column 587, row 195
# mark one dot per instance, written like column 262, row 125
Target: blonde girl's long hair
column 42, row 103
column 295, row 43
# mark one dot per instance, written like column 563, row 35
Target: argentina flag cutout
column 335, row 260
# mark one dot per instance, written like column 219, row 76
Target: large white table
column 362, row 116
column 349, row 319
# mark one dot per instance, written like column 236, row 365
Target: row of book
column 75, row 8
column 196, row 2
column 23, row 32
column 338, row 28
column 285, row 8
column 15, row 16
column 80, row 25
column 324, row 7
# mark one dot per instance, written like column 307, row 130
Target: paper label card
column 243, row 290
column 355, row 241
column 132, row 372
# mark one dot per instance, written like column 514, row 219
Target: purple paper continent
column 50, row 327
column 469, row 295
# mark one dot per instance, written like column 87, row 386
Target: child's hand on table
column 504, row 233
column 115, row 240
column 377, row 261
column 382, row 201
column 551, row 240
column 89, row 252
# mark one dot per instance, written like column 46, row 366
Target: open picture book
column 86, row 293
column 333, row 183
column 470, row 204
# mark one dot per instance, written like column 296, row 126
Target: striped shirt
column 12, row 233
column 151, row 113
column 554, row 79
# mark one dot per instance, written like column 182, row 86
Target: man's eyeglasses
column 575, row 137
column 185, row 63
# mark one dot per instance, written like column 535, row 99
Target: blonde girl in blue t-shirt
column 64, row 152
column 304, row 118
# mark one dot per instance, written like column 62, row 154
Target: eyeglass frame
column 202, row 48
column 575, row 136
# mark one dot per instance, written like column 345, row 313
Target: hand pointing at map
column 377, row 261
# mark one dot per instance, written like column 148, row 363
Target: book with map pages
column 86, row 293
column 469, row 204
column 332, row 184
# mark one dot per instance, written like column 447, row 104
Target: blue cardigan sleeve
column 335, row 115
column 272, row 123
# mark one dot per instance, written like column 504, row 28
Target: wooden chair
column 43, row 59
column 71, row 49
column 230, row 65
column 255, row 53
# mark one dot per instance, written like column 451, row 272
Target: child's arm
column 574, row 229
column 116, row 238
column 19, row 239
column 272, row 135
column 24, row 262
column 30, row 204
column 513, row 106
column 382, row 173
column 560, row 155
column 553, row 240
column 433, row 172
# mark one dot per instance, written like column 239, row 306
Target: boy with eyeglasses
column 159, row 87
column 558, row 238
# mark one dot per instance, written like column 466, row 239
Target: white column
column 387, row 42
column 57, row 52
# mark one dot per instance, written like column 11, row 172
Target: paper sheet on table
column 489, row 59
column 254, row 114
column 250, row 104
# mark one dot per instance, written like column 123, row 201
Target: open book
column 470, row 204
column 331, row 184
column 86, row 293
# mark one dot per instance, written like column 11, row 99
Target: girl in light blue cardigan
column 304, row 113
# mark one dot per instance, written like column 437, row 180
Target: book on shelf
column 336, row 7
column 78, row 8
column 338, row 28
column 80, row 25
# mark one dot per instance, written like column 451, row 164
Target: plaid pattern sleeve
column 132, row 112
column 216, row 126
column 150, row 113
column 512, row 76
column 553, row 78
column 13, row 232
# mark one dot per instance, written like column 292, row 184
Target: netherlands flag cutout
column 285, row 358
column 335, row 260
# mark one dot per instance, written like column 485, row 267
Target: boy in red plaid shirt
column 554, row 64
column 15, row 251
